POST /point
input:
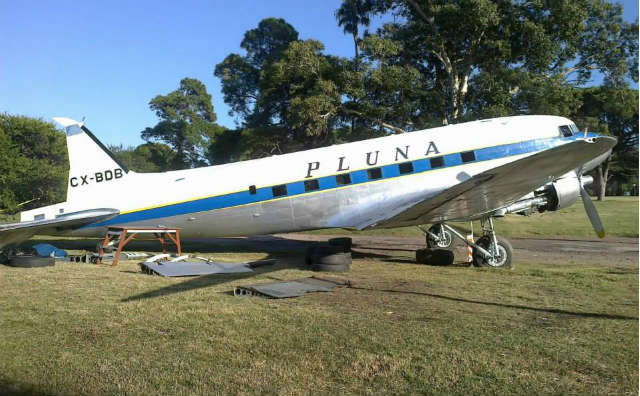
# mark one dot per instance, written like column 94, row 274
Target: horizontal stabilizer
column 18, row 232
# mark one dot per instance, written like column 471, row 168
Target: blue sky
column 106, row 60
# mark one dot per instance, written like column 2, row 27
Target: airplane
column 461, row 172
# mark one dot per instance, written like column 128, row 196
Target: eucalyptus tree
column 472, row 49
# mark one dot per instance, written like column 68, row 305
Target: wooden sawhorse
column 124, row 235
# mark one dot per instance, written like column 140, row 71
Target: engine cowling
column 561, row 193
column 552, row 196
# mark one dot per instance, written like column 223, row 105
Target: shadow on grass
column 502, row 305
column 259, row 243
column 203, row 281
column 20, row 389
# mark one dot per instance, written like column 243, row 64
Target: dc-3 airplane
column 461, row 172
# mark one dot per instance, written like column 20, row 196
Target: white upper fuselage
column 136, row 193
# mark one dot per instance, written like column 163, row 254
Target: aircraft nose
column 607, row 141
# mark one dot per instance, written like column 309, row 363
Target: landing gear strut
column 489, row 250
column 438, row 237
column 499, row 249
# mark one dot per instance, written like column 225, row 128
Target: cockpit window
column 565, row 130
column 574, row 128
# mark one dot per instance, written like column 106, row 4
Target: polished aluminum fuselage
column 216, row 201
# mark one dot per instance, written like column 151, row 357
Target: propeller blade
column 592, row 213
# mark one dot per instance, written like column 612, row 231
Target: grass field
column 619, row 216
column 543, row 328
column 402, row 329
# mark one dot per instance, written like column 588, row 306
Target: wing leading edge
column 18, row 232
column 497, row 187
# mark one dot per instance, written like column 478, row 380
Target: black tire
column 27, row 261
column 308, row 255
column 446, row 244
column 344, row 242
column 330, row 258
column 434, row 256
column 505, row 259
column 331, row 268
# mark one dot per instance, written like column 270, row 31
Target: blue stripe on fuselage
column 329, row 182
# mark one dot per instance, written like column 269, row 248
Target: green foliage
column 187, row 123
column 613, row 111
column 352, row 14
column 146, row 158
column 240, row 75
column 488, row 58
column 298, row 99
column 33, row 163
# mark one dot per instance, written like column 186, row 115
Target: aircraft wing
column 495, row 188
column 18, row 232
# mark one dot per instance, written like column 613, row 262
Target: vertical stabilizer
column 93, row 169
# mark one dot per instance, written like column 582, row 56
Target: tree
column 147, row 157
column 187, row 122
column 352, row 14
column 613, row 111
column 240, row 75
column 491, row 50
column 34, row 166
column 298, row 99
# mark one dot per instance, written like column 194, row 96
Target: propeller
column 589, row 207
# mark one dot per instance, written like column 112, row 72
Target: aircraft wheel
column 434, row 256
column 504, row 258
column 442, row 244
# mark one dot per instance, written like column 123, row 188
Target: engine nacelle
column 561, row 193
column 552, row 196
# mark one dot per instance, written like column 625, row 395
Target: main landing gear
column 489, row 250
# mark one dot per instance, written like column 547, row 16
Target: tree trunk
column 601, row 182
column 355, row 44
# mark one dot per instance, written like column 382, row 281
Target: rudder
column 91, row 165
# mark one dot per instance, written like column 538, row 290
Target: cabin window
column 437, row 162
column 375, row 173
column 311, row 185
column 405, row 167
column 39, row 216
column 468, row 156
column 252, row 190
column 565, row 130
column 343, row 179
column 280, row 190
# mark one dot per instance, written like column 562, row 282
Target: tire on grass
column 505, row 250
column 434, row 256
column 28, row 261
column 344, row 242
column 309, row 254
column 330, row 258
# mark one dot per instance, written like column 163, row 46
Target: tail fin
column 92, row 167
